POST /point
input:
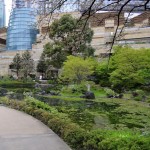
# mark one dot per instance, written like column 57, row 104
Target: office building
column 21, row 32
column 2, row 13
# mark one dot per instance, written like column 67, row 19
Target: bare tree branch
column 89, row 8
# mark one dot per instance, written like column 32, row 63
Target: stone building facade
column 3, row 33
column 136, row 33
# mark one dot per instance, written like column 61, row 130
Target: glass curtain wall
column 2, row 13
column 21, row 33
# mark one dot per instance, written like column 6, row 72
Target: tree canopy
column 16, row 64
column 89, row 8
column 23, row 65
column 77, row 69
column 130, row 67
column 69, row 38
column 42, row 65
column 27, row 64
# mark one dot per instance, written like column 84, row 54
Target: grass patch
column 11, row 84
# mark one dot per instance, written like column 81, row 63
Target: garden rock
column 37, row 85
column 16, row 96
column 54, row 93
column 3, row 92
column 118, row 96
column 110, row 96
column 43, row 92
column 88, row 95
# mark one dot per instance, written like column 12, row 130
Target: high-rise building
column 2, row 13
column 21, row 33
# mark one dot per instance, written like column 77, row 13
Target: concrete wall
column 102, row 39
column 6, row 57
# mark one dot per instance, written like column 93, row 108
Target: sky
column 8, row 4
column 8, row 10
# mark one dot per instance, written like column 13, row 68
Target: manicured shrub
column 16, row 84
column 116, row 140
column 138, row 95
column 92, row 140
column 21, row 90
column 74, row 135
column 57, row 124
column 109, row 92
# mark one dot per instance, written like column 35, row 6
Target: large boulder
column 88, row 95
column 54, row 93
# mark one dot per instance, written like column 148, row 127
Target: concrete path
column 19, row 131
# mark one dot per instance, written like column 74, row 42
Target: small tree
column 27, row 64
column 69, row 37
column 42, row 65
column 130, row 68
column 16, row 64
column 54, row 54
column 76, row 69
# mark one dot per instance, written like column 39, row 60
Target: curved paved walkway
column 19, row 131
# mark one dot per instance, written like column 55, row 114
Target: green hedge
column 116, row 140
column 74, row 135
column 16, row 84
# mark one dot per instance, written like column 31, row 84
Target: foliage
column 70, row 33
column 139, row 95
column 79, row 89
column 69, row 38
column 79, row 115
column 74, row 135
column 58, row 122
column 16, row 84
column 16, row 64
column 130, row 67
column 54, row 54
column 23, row 65
column 118, row 114
column 76, row 69
column 6, row 78
column 101, row 73
column 27, row 64
column 121, row 113
column 109, row 92
column 116, row 140
column 42, row 66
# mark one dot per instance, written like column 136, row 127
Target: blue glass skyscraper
column 21, row 33
column 2, row 13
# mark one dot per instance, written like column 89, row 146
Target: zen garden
column 91, row 103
